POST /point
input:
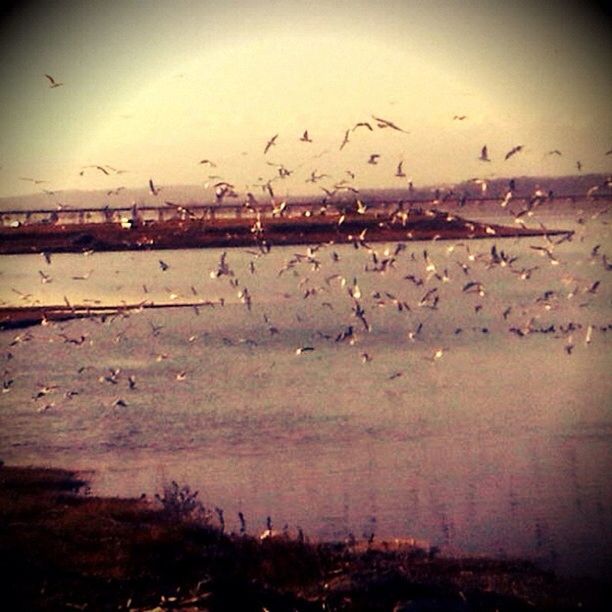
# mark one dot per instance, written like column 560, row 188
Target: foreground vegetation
column 63, row 550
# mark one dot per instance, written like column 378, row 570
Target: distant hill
column 192, row 194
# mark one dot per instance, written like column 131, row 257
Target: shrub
column 180, row 503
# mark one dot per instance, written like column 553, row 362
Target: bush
column 180, row 503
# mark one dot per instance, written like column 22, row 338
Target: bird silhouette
column 270, row 143
column 484, row 154
column 52, row 82
column 513, row 151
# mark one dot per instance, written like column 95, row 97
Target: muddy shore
column 61, row 548
column 258, row 232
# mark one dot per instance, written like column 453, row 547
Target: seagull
column 437, row 355
column 399, row 172
column 154, row 191
column 554, row 152
column 305, row 137
column 373, row 158
column 383, row 123
column 209, row 162
column 44, row 278
column 513, row 151
column 52, row 82
column 346, row 139
column 303, row 349
column 101, row 168
column 579, row 165
column 163, row 265
column 35, row 181
column 270, row 142
column 484, row 154
column 459, row 117
column 362, row 124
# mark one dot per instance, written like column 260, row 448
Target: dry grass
column 60, row 550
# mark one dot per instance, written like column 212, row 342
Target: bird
column 383, row 123
column 459, row 117
column 362, row 124
column 346, row 139
column 209, row 162
column 32, row 180
column 373, row 158
column 154, row 191
column 305, row 137
column 270, row 142
column 554, row 152
column 44, row 278
column 163, row 265
column 579, row 165
column 399, row 172
column 484, row 154
column 437, row 355
column 97, row 167
column 52, row 82
column 513, row 151
column 303, row 349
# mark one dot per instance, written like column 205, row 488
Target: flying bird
column 305, row 137
column 484, row 154
column 209, row 162
column 303, row 349
column 554, row 152
column 383, row 123
column 52, row 82
column 459, row 117
column 399, row 172
column 346, row 139
column 513, row 151
column 101, row 168
column 270, row 142
column 362, row 124
column 154, row 191
column 373, row 158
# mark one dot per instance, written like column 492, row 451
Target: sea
column 455, row 392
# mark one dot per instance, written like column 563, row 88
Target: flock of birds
column 418, row 293
column 421, row 287
column 346, row 184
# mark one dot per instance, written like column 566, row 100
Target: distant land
column 197, row 194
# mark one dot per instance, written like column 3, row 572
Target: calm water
column 499, row 446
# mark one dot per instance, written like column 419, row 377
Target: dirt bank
column 60, row 549
column 251, row 231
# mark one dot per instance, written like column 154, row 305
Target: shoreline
column 63, row 548
column 256, row 231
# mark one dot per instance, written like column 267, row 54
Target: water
column 499, row 446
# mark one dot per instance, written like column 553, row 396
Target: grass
column 61, row 549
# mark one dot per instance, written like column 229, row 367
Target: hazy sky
column 154, row 87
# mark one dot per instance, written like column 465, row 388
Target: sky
column 152, row 88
